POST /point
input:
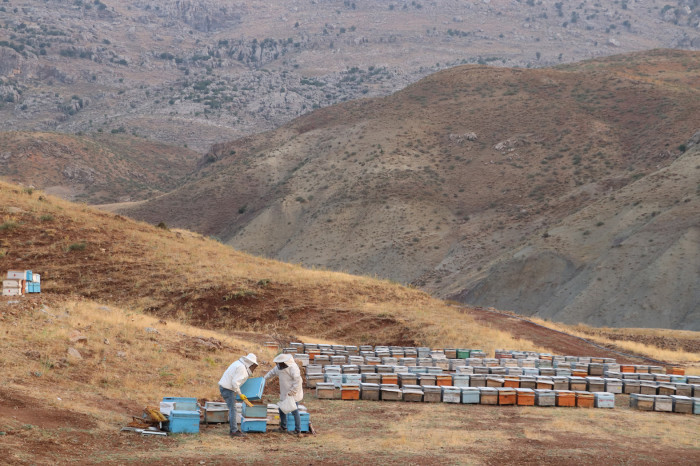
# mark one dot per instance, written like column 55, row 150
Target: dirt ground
column 371, row 432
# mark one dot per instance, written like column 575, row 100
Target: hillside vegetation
column 205, row 71
column 451, row 183
column 96, row 169
column 81, row 251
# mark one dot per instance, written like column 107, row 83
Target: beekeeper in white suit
column 290, row 385
column 230, row 386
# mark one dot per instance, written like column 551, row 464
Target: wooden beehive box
column 663, row 403
column 585, row 399
column 682, row 404
column 642, row 402
column 369, row 391
column 451, row 394
column 511, row 382
column 506, row 396
column 566, row 398
column 577, row 384
column 595, row 384
column 626, row 368
column 390, row 379
column 443, row 380
column 350, row 392
column 674, row 370
column 390, row 392
column 684, row 389
column 412, row 393
column 350, row 369
column 325, row 391
column 528, row 381
column 648, row 388
column 494, row 381
column 666, row 389
column 460, row 380
column 630, row 386
column 545, row 398
column 613, row 385
column 313, row 379
column 488, row 396
column 426, row 379
column 408, row 379
column 432, row 394
column 544, row 383
column 524, row 397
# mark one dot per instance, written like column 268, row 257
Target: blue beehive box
column 182, row 403
column 291, row 423
column 352, row 378
column 335, row 379
column 696, row 405
column 253, row 388
column 184, row 422
column 258, row 411
column 470, row 395
column 249, row 424
column 604, row 400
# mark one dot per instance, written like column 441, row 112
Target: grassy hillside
column 156, row 313
column 95, row 169
column 81, row 251
column 430, row 185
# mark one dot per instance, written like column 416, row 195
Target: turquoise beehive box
column 253, row 388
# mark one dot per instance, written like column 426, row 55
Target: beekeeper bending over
column 230, row 386
column 290, row 387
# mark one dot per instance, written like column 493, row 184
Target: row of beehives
column 665, row 403
column 314, row 349
column 19, row 282
column 466, row 395
column 591, row 384
column 458, row 366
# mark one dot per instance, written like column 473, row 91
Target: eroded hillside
column 433, row 183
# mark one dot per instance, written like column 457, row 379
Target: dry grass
column 691, row 360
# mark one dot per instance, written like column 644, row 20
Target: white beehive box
column 12, row 284
column 12, row 291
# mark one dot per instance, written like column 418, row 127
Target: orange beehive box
column 675, row 371
column 585, row 400
column 392, row 379
column 579, row 373
column 443, row 380
column 566, row 398
column 511, row 382
column 525, row 398
column 350, row 394
column 506, row 396
column 624, row 368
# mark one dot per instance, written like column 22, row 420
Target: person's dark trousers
column 297, row 420
column 230, row 399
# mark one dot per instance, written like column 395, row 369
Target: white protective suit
column 290, row 380
column 237, row 373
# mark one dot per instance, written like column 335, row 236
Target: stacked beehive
column 19, row 282
column 512, row 378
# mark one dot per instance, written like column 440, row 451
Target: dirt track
column 557, row 342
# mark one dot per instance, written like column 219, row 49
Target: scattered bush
column 77, row 246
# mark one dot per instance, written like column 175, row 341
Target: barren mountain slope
column 198, row 72
column 95, row 169
column 629, row 258
column 441, row 178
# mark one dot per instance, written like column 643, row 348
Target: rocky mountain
column 451, row 184
column 98, row 169
column 199, row 72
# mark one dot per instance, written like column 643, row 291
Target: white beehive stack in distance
column 19, row 282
